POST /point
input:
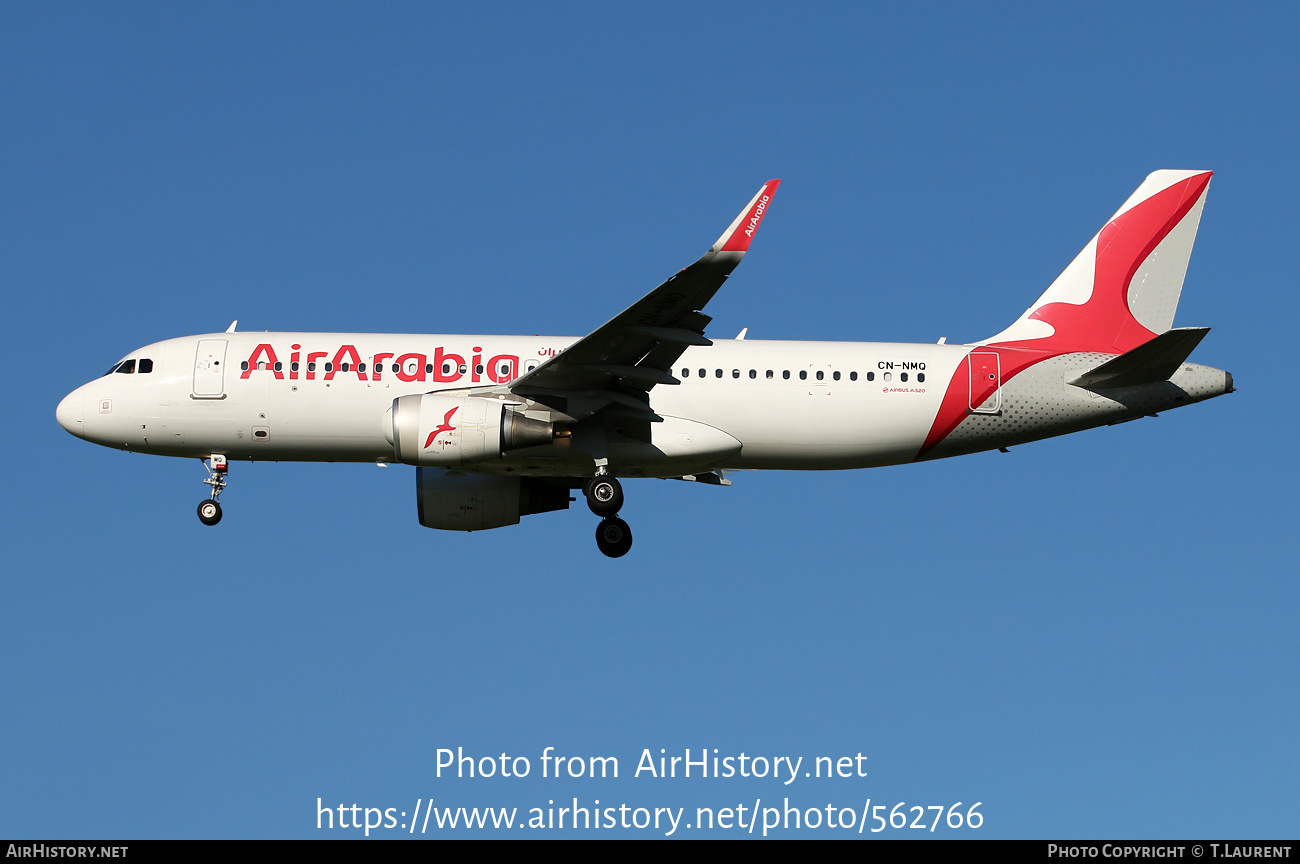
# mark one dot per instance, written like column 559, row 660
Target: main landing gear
column 210, row 510
column 605, row 498
column 613, row 537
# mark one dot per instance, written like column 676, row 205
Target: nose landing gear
column 210, row 510
column 605, row 498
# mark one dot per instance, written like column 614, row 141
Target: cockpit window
column 126, row 367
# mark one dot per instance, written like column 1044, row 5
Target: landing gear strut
column 210, row 510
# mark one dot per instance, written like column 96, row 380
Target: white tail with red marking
column 1123, row 288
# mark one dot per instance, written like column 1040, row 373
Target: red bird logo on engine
column 444, row 427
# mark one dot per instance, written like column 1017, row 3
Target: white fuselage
column 740, row 404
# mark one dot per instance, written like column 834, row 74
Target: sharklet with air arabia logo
column 737, row 239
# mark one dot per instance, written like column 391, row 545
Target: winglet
column 741, row 233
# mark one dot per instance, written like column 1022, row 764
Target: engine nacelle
column 474, row 502
column 451, row 431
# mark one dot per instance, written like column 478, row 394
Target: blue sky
column 1094, row 636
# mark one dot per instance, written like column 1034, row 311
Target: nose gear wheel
column 209, row 512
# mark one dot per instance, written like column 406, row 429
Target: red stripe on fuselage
column 959, row 396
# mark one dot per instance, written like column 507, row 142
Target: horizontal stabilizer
column 1149, row 363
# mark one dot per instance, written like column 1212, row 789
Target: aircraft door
column 210, row 369
column 985, row 382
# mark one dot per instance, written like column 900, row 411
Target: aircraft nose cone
column 69, row 414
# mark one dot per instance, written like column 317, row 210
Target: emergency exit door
column 985, row 382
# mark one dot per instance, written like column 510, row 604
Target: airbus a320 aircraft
column 502, row 427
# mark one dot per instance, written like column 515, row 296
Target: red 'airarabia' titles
column 446, row 367
column 757, row 217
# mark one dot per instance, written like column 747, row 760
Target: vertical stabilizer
column 1123, row 288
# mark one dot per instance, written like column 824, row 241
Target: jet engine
column 475, row 502
column 450, row 431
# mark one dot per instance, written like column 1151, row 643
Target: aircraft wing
column 615, row 367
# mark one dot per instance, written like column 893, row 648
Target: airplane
column 501, row 427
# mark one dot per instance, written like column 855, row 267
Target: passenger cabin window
column 126, row 368
column 785, row 374
column 803, row 374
